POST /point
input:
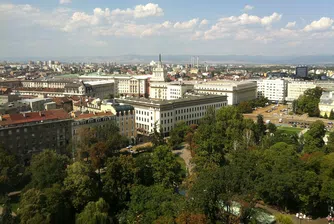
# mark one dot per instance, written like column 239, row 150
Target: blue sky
column 216, row 27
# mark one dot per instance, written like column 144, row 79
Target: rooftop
column 100, row 82
column 81, row 116
column 16, row 119
column 167, row 102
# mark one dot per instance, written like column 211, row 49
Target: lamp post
column 300, row 216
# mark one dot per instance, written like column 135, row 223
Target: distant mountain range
column 182, row 59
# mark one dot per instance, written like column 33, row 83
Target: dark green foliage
column 9, row 171
column 121, row 175
column 166, row 169
column 313, row 138
column 259, row 102
column 81, row 184
column 331, row 115
column 157, row 136
column 177, row 134
column 245, row 107
column 47, row 168
column 309, row 101
column 48, row 206
column 94, row 213
column 151, row 203
column 6, row 217
column 260, row 128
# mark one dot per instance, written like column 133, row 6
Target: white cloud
column 321, row 24
column 248, row 8
column 18, row 9
column 140, row 11
column 290, row 25
column 268, row 20
column 204, row 22
column 186, row 25
column 65, row 2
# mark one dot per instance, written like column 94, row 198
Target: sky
column 40, row 28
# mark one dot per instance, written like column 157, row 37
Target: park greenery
column 308, row 102
column 234, row 160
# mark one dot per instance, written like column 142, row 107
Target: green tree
column 331, row 115
column 245, row 107
column 31, row 208
column 81, row 184
column 166, row 169
column 157, row 136
column 178, row 134
column 94, row 213
column 6, row 217
column 47, row 168
column 9, row 171
column 313, row 138
column 148, row 204
column 271, row 128
column 278, row 175
column 260, row 128
column 98, row 154
column 325, row 116
column 330, row 143
column 121, row 175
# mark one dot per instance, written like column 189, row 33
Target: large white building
column 166, row 113
column 326, row 104
column 127, row 85
column 273, row 89
column 158, row 82
column 236, row 92
column 297, row 88
column 62, row 88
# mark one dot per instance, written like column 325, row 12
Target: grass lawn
column 290, row 130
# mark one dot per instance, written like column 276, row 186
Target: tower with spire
column 159, row 72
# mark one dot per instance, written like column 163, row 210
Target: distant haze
column 186, row 59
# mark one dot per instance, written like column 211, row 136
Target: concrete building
column 126, row 85
column 158, row 82
column 274, row 89
column 37, row 104
column 124, row 114
column 297, row 88
column 28, row 133
column 326, row 104
column 176, row 90
column 166, row 113
column 63, row 88
column 236, row 92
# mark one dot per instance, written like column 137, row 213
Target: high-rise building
column 301, row 72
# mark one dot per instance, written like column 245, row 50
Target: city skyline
column 101, row 28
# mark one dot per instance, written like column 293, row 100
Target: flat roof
column 167, row 102
column 99, row 82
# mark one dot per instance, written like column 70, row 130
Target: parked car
column 129, row 147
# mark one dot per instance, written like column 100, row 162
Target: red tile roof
column 13, row 119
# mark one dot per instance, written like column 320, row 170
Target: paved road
column 185, row 154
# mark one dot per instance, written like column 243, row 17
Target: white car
column 129, row 147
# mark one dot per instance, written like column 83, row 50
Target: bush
column 283, row 219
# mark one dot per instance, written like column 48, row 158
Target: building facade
column 236, row 92
column 166, row 113
column 297, row 88
column 28, row 133
column 273, row 89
